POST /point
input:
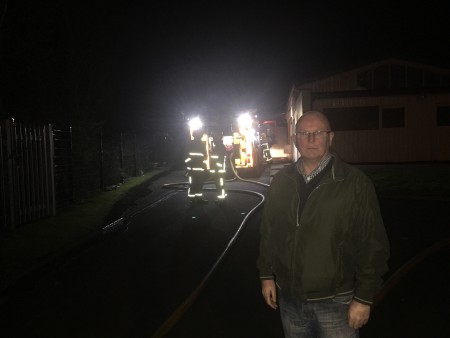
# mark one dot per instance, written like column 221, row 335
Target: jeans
column 321, row 319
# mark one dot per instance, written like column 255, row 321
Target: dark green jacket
column 337, row 246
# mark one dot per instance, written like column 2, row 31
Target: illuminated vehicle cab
column 246, row 150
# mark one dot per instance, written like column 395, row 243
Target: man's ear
column 331, row 138
column 294, row 140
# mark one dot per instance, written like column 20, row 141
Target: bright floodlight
column 245, row 120
column 195, row 124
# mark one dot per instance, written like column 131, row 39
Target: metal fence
column 26, row 173
column 44, row 168
column 102, row 159
column 63, row 168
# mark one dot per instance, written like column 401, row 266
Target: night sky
column 136, row 64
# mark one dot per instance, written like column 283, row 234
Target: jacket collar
column 338, row 172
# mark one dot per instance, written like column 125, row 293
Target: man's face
column 313, row 147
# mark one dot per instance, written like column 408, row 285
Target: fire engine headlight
column 195, row 123
column 245, row 120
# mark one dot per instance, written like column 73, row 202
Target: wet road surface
column 128, row 284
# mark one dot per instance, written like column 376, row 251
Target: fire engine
column 243, row 144
column 276, row 133
column 247, row 152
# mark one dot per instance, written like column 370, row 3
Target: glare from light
column 245, row 120
column 251, row 135
column 195, row 124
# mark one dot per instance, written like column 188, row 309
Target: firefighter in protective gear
column 265, row 147
column 196, row 167
column 218, row 167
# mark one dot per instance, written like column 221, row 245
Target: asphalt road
column 133, row 282
column 413, row 304
column 129, row 282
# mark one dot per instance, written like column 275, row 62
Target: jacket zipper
column 298, row 223
column 295, row 237
column 333, row 180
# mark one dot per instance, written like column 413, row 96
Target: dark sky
column 141, row 61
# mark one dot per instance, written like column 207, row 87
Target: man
column 196, row 167
column 265, row 147
column 218, row 167
column 323, row 244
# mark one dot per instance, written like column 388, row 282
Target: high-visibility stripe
column 189, row 193
column 222, row 195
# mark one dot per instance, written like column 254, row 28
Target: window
column 443, row 116
column 353, row 118
column 393, row 118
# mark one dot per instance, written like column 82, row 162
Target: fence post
column 102, row 186
column 135, row 156
column 121, row 151
column 72, row 198
column 3, row 181
column 51, row 169
column 10, row 156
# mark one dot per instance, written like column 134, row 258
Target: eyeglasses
column 318, row 133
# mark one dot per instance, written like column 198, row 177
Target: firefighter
column 196, row 167
column 265, row 147
column 218, row 167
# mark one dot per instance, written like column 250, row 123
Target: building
column 384, row 112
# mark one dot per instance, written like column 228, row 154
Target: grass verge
column 33, row 244
column 419, row 181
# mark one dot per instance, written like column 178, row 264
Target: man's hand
column 358, row 314
column 269, row 292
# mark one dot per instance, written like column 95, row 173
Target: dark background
column 135, row 65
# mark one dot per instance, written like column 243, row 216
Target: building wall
column 419, row 140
